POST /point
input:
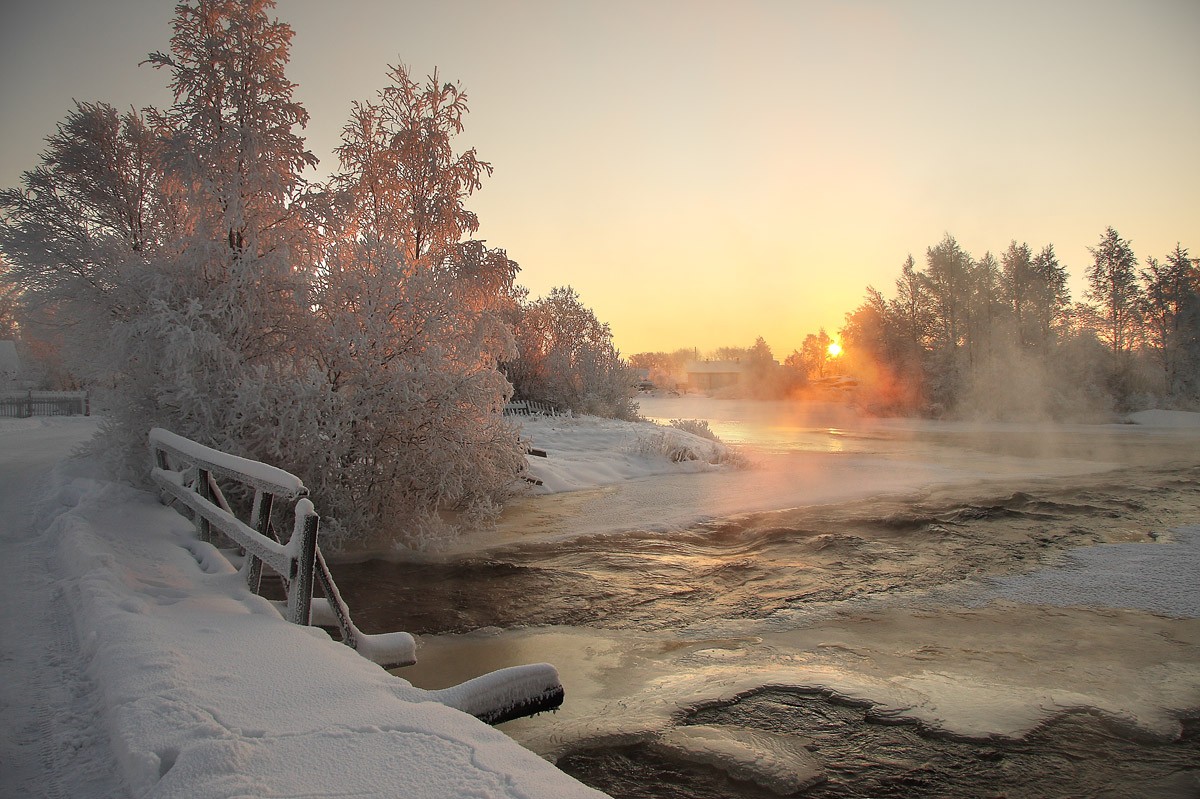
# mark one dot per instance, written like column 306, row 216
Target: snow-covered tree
column 1171, row 296
column 912, row 307
column 1113, row 287
column 413, row 321
column 79, row 232
column 8, row 305
column 1050, row 298
column 1018, row 282
column 565, row 355
column 814, row 353
column 219, row 336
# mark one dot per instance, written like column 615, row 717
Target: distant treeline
column 1001, row 338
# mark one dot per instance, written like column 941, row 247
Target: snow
column 134, row 662
column 588, row 452
column 1167, row 419
column 196, row 687
column 1160, row 579
column 270, row 477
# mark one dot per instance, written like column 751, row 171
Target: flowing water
column 850, row 648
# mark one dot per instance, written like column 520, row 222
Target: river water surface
column 840, row 625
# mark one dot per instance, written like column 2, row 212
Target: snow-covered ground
column 134, row 663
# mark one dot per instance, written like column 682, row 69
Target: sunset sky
column 704, row 173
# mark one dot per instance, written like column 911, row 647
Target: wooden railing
column 188, row 472
column 531, row 408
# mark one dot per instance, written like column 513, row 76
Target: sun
column 834, row 349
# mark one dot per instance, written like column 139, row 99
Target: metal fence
column 23, row 404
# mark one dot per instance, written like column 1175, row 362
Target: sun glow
column 834, row 349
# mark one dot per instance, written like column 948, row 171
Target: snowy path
column 53, row 743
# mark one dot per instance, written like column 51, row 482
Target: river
column 861, row 617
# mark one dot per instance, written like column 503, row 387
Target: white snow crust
column 587, row 452
column 1162, row 578
column 256, row 470
column 203, row 690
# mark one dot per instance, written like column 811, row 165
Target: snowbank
column 587, row 451
column 207, row 692
column 1170, row 419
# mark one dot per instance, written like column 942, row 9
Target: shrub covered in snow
column 697, row 427
column 680, row 445
column 565, row 356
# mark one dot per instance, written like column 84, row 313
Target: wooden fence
column 23, row 404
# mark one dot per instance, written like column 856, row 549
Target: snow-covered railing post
column 260, row 518
column 204, row 489
column 304, row 536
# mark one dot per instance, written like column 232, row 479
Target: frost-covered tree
column 1113, row 287
column 874, row 351
column 814, row 353
column 949, row 279
column 213, row 342
column 986, row 306
column 1049, row 300
column 912, row 308
column 8, row 304
column 398, row 154
column 80, row 232
column 565, row 355
column 1171, row 295
column 413, row 322
column 1019, row 284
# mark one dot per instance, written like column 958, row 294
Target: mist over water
column 829, row 649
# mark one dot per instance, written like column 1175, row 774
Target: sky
column 705, row 173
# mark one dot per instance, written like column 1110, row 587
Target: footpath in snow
column 135, row 662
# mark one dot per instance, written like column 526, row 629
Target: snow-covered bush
column 681, row 446
column 346, row 333
column 565, row 356
column 697, row 427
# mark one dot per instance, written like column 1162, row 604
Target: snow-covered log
column 506, row 694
